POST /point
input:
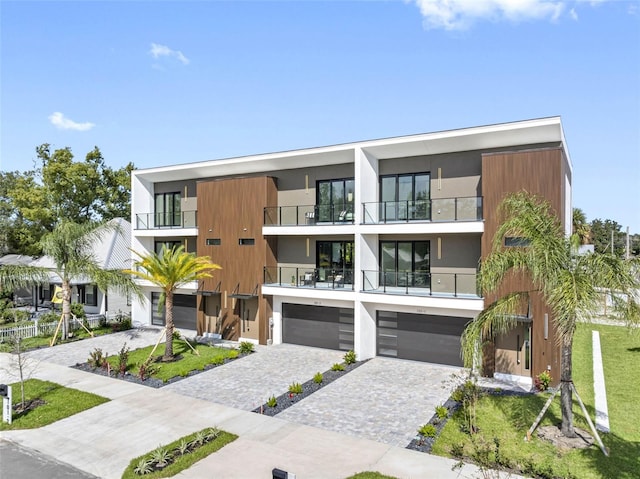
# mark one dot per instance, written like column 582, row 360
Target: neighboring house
column 21, row 296
column 372, row 246
column 111, row 252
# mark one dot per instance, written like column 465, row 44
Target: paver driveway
column 384, row 400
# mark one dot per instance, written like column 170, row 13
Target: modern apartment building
column 372, row 246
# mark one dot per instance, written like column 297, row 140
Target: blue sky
column 159, row 83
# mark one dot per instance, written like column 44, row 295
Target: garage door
column 421, row 337
column 184, row 311
column 317, row 326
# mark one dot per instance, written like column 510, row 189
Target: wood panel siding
column 541, row 172
column 231, row 210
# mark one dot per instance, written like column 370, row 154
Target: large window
column 405, row 197
column 405, row 263
column 167, row 244
column 88, row 294
column 335, row 258
column 167, row 211
column 335, row 199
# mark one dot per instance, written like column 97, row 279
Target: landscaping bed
column 307, row 388
column 134, row 366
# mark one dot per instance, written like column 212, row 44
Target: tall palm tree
column 581, row 230
column 169, row 270
column 70, row 246
column 570, row 284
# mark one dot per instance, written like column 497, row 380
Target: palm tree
column 70, row 246
column 169, row 270
column 570, row 284
column 581, row 230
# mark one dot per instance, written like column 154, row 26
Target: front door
column 513, row 351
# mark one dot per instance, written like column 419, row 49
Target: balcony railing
column 305, row 277
column 308, row 215
column 182, row 219
column 441, row 209
column 417, row 283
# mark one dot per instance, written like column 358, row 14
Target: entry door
column 513, row 351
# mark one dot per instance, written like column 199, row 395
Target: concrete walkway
column 103, row 440
column 600, row 391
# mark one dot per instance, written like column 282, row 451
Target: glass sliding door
column 405, row 263
column 405, row 197
column 167, row 211
column 335, row 200
column 335, row 259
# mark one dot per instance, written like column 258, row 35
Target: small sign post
column 5, row 392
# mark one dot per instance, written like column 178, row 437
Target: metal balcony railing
column 181, row 219
column 417, row 283
column 308, row 215
column 306, row 277
column 440, row 209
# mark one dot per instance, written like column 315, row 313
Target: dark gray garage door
column 421, row 337
column 318, row 326
column 184, row 311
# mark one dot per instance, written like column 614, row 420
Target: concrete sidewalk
column 103, row 440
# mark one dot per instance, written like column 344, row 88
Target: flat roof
column 541, row 130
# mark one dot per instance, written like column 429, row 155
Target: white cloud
column 573, row 14
column 461, row 14
column 158, row 51
column 58, row 120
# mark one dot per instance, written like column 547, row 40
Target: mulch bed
column 287, row 400
column 150, row 382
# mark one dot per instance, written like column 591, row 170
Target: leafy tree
column 601, row 236
column 570, row 284
column 60, row 188
column 169, row 270
column 70, row 246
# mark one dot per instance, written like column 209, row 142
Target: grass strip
column 59, row 402
column 184, row 461
column 188, row 361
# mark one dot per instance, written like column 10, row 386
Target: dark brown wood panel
column 231, row 210
column 541, row 172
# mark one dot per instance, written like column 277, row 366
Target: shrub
column 542, row 381
column 96, row 358
column 427, row 430
column 143, row 467
column 147, row 369
column 337, row 367
column 295, row 388
column 212, row 433
column 183, row 447
column 272, row 401
column 349, row 357
column 317, row 378
column 233, row 354
column 218, row 360
column 78, row 311
column 161, row 456
column 50, row 317
column 441, row 412
column 123, row 357
column 246, row 347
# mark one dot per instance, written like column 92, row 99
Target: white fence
column 44, row 329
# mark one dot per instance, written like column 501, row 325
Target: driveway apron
column 384, row 400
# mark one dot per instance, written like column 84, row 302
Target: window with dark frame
column 516, row 242
column 168, row 209
column 247, row 241
column 213, row 242
column 335, row 199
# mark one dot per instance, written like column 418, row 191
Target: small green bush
column 96, row 358
column 78, row 311
column 123, row 357
column 295, row 388
column 272, row 401
column 441, row 412
column 349, row 357
column 51, row 317
column 246, row 347
column 427, row 430
column 337, row 367
column 542, row 381
column 234, row 353
column 317, row 378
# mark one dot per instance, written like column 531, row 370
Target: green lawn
column 188, row 361
column 370, row 475
column 508, row 418
column 44, row 341
column 183, row 461
column 60, row 402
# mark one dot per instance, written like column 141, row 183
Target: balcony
column 306, row 277
column 152, row 221
column 308, row 215
column 441, row 209
column 413, row 283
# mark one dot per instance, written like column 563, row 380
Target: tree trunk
column 66, row 307
column 168, row 305
column 566, row 399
